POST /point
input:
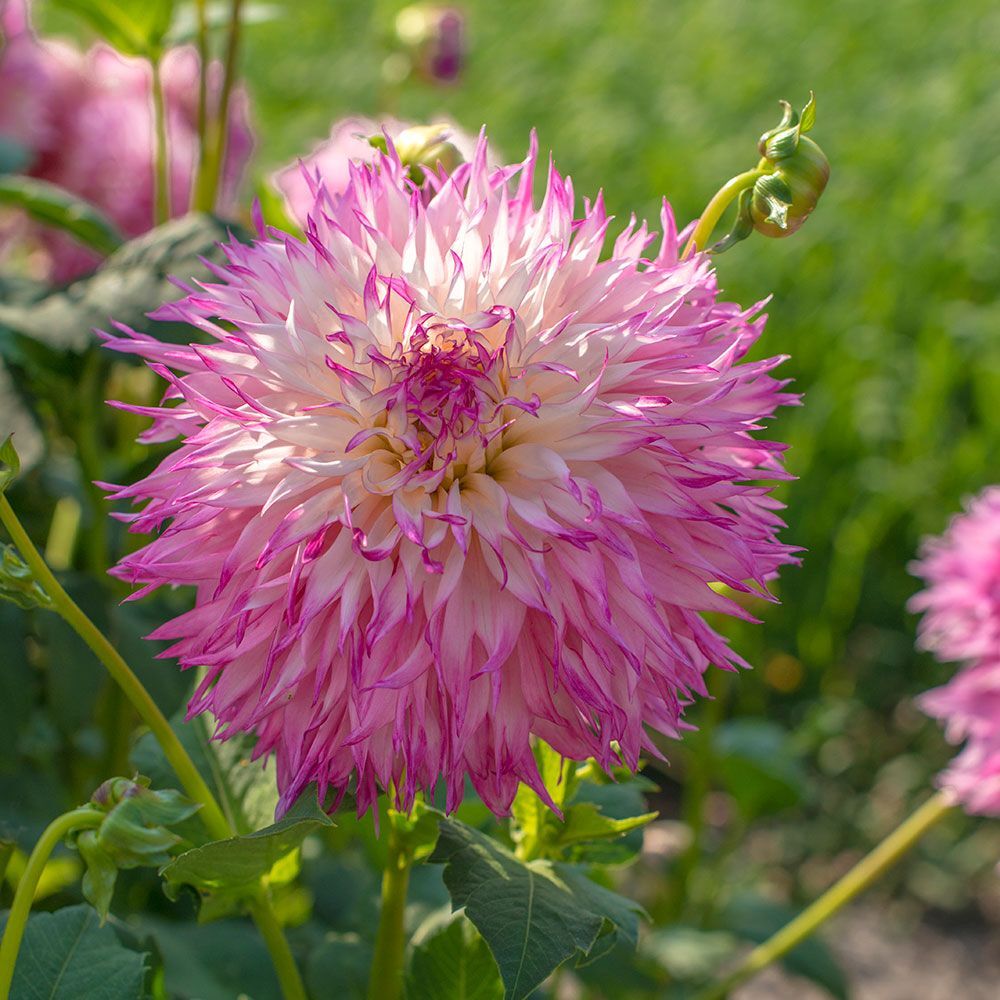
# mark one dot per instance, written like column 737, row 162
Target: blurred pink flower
column 961, row 623
column 330, row 162
column 449, row 479
column 87, row 122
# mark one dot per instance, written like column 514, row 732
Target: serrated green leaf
column 755, row 919
column 54, row 206
column 67, row 955
column 586, row 822
column 450, row 960
column 228, row 871
column 134, row 27
column 533, row 916
column 18, row 584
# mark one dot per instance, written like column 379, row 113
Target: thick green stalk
column 862, row 875
column 162, row 164
column 214, row 152
column 387, row 965
column 718, row 205
column 192, row 782
column 17, row 919
column 197, row 189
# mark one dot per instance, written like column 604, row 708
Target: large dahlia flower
column 449, row 480
column 961, row 608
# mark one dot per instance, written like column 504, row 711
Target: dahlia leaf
column 130, row 284
column 533, row 916
column 55, row 206
column 134, row 27
column 451, row 961
column 586, row 822
column 67, row 955
column 227, row 871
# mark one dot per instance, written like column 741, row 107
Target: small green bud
column 133, row 833
column 799, row 171
column 423, row 146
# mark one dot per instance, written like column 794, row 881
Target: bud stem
column 161, row 162
column 862, row 875
column 714, row 210
column 77, row 819
column 192, row 782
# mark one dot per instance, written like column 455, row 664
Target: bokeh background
column 886, row 302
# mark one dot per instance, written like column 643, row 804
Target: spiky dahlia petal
column 449, row 480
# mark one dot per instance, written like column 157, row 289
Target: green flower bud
column 133, row 833
column 798, row 174
column 423, row 146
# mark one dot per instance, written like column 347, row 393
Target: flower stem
column 162, row 165
column 201, row 10
column 282, row 959
column 862, row 875
column 81, row 818
column 214, row 152
column 387, row 965
column 719, row 203
column 192, row 782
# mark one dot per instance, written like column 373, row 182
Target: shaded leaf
column 67, row 955
column 534, row 916
column 450, row 961
column 55, row 206
column 18, row 584
column 227, row 871
column 217, row 961
column 340, row 967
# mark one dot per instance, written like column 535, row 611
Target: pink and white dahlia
column 449, row 479
column 330, row 162
column 961, row 608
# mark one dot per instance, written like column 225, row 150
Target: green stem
column 162, row 165
column 387, row 965
column 84, row 817
column 192, row 782
column 718, row 205
column 198, row 189
column 215, row 147
column 282, row 959
column 862, row 875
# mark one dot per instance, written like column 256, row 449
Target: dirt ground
column 886, row 963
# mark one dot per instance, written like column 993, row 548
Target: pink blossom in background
column 447, row 480
column 96, row 133
column 330, row 162
column 961, row 623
